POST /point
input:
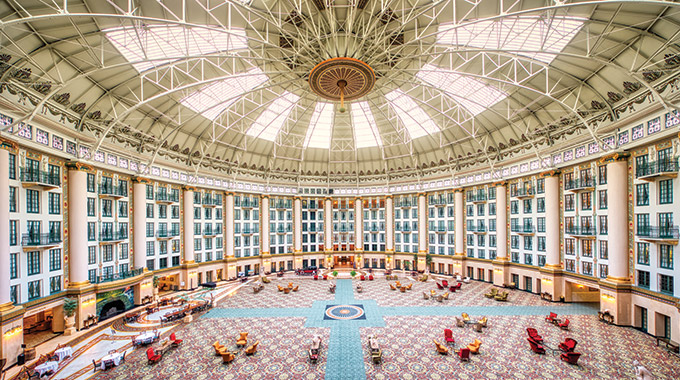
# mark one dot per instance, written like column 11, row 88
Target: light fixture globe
column 342, row 78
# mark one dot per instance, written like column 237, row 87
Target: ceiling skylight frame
column 272, row 119
column 366, row 132
column 523, row 34
column 416, row 121
column 154, row 45
column 212, row 99
column 320, row 126
column 471, row 93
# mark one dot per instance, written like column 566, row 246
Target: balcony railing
column 658, row 233
column 588, row 230
column 437, row 201
column 107, row 235
column 112, row 191
column 657, row 168
column 164, row 233
column 476, row 228
column 283, row 230
column 210, row 232
column 579, row 184
column 40, row 177
column 524, row 193
column 118, row 276
column 523, row 229
column 166, row 198
column 403, row 204
column 249, row 203
column 38, row 240
column 477, row 197
column 282, row 205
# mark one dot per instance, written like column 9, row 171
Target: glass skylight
column 320, row 126
column 416, row 121
column 473, row 94
column 533, row 33
column 214, row 98
column 166, row 43
column 269, row 123
column 365, row 130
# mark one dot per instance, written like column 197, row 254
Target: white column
column 552, row 221
column 422, row 223
column 188, row 221
column 328, row 224
column 5, row 302
column 264, row 224
column 389, row 223
column 502, row 222
column 358, row 224
column 229, row 223
column 77, row 222
column 459, row 210
column 139, row 224
column 297, row 224
column 617, row 201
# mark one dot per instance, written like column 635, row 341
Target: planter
column 69, row 329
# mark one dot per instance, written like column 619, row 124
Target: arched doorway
column 111, row 309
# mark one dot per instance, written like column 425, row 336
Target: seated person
column 359, row 288
column 373, row 343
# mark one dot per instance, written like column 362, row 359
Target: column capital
column 422, row 194
column 263, row 196
column 228, row 193
column 297, row 197
column 327, row 199
column 502, row 183
column 614, row 156
column 458, row 190
column 143, row 180
column 357, row 197
column 9, row 145
column 77, row 165
column 389, row 196
column 189, row 188
column 550, row 173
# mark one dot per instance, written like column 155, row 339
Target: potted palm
column 156, row 281
column 353, row 273
column 335, row 273
column 70, row 307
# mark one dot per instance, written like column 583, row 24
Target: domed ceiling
column 226, row 85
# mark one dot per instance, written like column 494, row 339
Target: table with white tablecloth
column 113, row 357
column 47, row 367
column 63, row 352
column 145, row 338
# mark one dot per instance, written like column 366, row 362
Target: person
column 641, row 373
column 360, row 288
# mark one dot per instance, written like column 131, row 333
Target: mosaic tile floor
column 405, row 326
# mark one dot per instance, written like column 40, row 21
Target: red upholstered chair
column 571, row 357
column 564, row 325
column 325, row 277
column 568, row 345
column 445, row 283
column 370, row 277
column 152, row 356
column 551, row 317
column 459, row 285
column 536, row 347
column 363, row 277
column 448, row 336
column 316, row 277
column 174, row 340
column 534, row 334
column 440, row 286
column 452, row 289
column 464, row 354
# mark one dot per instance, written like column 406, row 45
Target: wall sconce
column 547, row 280
column 89, row 301
column 146, row 284
column 456, row 264
column 608, row 297
column 14, row 331
column 495, row 270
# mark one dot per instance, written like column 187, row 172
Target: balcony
column 282, row 205
column 663, row 169
column 283, row 230
column 441, row 230
column 108, row 236
column 523, row 230
column 118, row 276
column 437, row 202
column 523, row 193
column 247, row 231
column 480, row 197
column 211, row 232
column 404, row 229
column 249, row 203
column 110, row 191
column 580, row 184
column 37, row 240
column 165, row 198
column 39, row 178
column 164, row 234
column 588, row 231
column 478, row 229
column 404, row 204
column 664, row 234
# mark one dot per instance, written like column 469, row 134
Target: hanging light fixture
column 342, row 78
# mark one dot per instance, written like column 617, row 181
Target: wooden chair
column 243, row 339
column 392, row 287
column 492, row 293
column 376, row 356
column 502, row 296
column 466, row 317
column 402, row 289
column 409, row 286
column 295, row 289
column 218, row 348
column 96, row 365
column 398, row 284
column 280, row 288
column 445, row 295
column 426, row 296
column 441, row 348
column 252, row 349
column 286, row 290
column 227, row 357
column 483, row 321
column 460, row 322
column 474, row 346
column 290, row 285
column 440, row 298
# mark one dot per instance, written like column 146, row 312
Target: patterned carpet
column 471, row 294
column 405, row 325
column 281, row 353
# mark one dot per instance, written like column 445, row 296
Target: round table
column 47, row 367
column 115, row 357
column 63, row 352
column 145, row 338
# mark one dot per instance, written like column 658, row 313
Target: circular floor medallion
column 344, row 312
